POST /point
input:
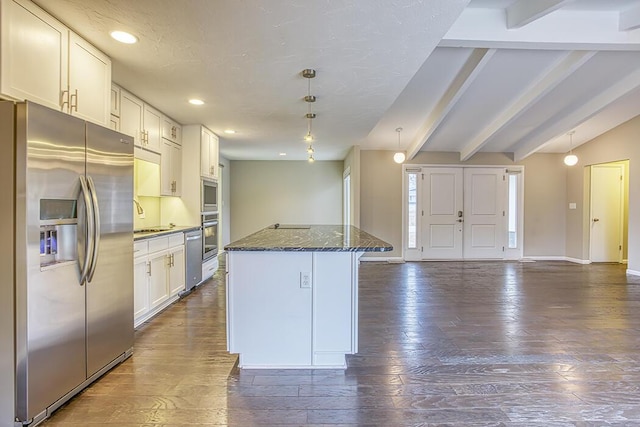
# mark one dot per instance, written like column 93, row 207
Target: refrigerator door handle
column 96, row 228
column 84, row 270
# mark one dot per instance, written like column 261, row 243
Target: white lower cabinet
column 159, row 274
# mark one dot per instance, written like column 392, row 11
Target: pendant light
column 399, row 156
column 309, row 74
column 571, row 159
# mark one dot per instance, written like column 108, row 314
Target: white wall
column 225, row 204
column 286, row 192
column 620, row 143
column 352, row 163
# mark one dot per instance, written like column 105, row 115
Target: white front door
column 442, row 213
column 463, row 213
column 485, row 194
column 606, row 213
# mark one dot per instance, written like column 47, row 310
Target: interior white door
column 442, row 213
column 485, row 196
column 606, row 213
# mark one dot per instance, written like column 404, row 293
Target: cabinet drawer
column 158, row 244
column 140, row 248
column 176, row 239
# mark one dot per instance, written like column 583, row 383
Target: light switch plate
column 572, row 206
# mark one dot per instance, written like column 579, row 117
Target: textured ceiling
column 485, row 75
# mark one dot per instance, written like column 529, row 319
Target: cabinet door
column 171, row 130
column 34, row 54
column 170, row 169
column 140, row 287
column 158, row 285
column 131, row 116
column 176, row 169
column 205, row 149
column 115, row 100
column 114, row 123
column 213, row 157
column 166, row 179
column 89, row 81
column 176, row 272
column 152, row 124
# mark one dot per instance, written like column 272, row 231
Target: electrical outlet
column 305, row 279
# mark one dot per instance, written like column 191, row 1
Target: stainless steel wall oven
column 209, row 235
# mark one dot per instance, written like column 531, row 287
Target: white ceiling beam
column 562, row 123
column 589, row 30
column 629, row 19
column 545, row 84
column 524, row 12
column 467, row 74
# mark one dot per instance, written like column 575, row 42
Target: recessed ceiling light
column 196, row 102
column 283, row 154
column 230, row 131
column 124, row 37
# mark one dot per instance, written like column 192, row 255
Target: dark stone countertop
column 146, row 233
column 310, row 238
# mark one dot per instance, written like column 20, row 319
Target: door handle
column 459, row 220
column 96, row 227
column 84, row 271
column 596, row 219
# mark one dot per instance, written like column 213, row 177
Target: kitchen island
column 292, row 295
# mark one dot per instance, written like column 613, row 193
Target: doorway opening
column 609, row 212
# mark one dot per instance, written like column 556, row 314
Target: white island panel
column 270, row 311
column 334, row 301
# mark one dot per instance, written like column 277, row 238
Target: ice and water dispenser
column 58, row 232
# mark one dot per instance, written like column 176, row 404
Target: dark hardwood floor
column 441, row 344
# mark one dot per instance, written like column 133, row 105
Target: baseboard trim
column 633, row 272
column 381, row 259
column 578, row 261
column 559, row 258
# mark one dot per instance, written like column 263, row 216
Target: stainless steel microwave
column 209, row 196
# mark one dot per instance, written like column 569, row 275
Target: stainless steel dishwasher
column 193, row 261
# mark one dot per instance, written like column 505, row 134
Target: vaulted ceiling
column 511, row 76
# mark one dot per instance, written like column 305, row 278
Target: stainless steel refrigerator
column 73, row 257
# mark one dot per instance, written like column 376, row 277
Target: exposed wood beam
column 467, row 74
column 563, row 69
column 629, row 19
column 524, row 12
column 562, row 123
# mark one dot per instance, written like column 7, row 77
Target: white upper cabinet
column 115, row 100
column 208, row 154
column 43, row 61
column 171, row 130
column 141, row 121
column 89, row 81
column 152, row 125
column 170, row 169
column 131, row 109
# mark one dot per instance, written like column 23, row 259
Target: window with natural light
column 412, row 210
column 513, row 211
